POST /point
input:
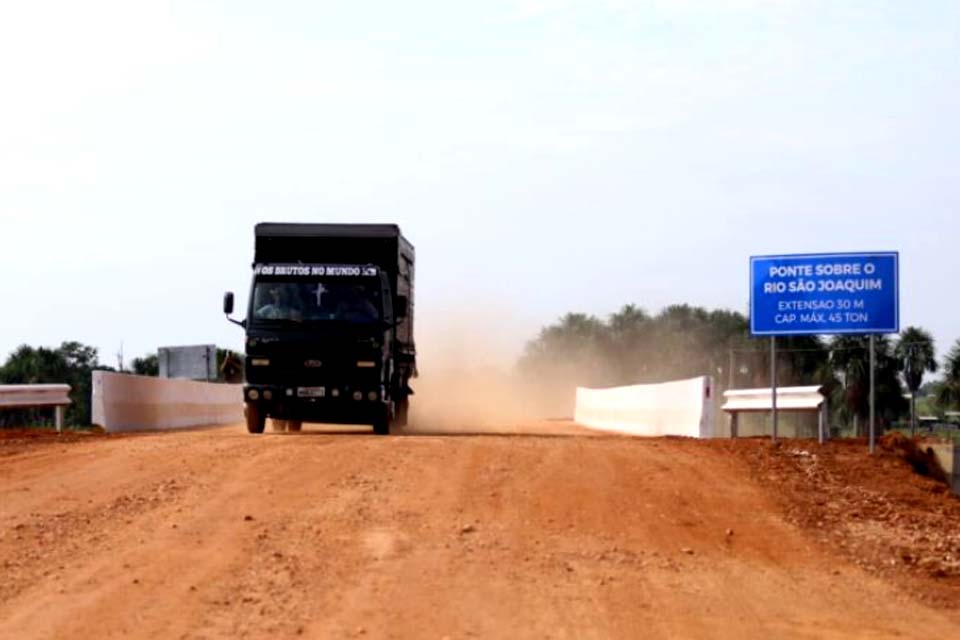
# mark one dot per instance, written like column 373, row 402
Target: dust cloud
column 461, row 400
column 468, row 380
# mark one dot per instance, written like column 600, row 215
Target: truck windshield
column 354, row 300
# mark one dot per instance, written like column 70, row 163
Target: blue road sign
column 825, row 294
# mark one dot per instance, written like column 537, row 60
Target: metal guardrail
column 788, row 399
column 29, row 396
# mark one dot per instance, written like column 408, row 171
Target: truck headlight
column 267, row 395
column 253, row 394
column 260, row 362
column 372, row 396
column 366, row 364
column 358, row 395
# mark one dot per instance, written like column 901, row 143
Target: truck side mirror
column 228, row 309
column 400, row 311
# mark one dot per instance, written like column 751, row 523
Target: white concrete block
column 681, row 408
column 122, row 402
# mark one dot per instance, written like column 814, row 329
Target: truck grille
column 297, row 373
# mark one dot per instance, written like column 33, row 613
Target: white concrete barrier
column 681, row 408
column 122, row 402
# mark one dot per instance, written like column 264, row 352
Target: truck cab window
column 276, row 301
column 355, row 301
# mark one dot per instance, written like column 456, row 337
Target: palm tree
column 949, row 395
column 850, row 357
column 916, row 354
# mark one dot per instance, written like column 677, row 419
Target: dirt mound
column 877, row 511
column 923, row 461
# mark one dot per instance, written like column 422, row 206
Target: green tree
column 577, row 339
column 949, row 392
column 916, row 353
column 71, row 363
column 679, row 342
column 928, row 400
column 850, row 358
column 628, row 334
column 573, row 352
column 148, row 365
column 803, row 360
column 81, row 361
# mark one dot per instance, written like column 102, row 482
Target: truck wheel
column 403, row 407
column 256, row 419
column 381, row 424
column 294, row 425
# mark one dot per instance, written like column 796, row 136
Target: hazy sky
column 542, row 156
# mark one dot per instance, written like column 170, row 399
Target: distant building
column 195, row 362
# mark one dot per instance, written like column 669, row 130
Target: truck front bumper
column 334, row 404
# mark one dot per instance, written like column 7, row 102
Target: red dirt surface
column 13, row 441
column 218, row 534
column 876, row 511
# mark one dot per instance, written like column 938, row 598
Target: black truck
column 329, row 327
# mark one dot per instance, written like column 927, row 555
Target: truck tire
column 403, row 407
column 381, row 424
column 256, row 419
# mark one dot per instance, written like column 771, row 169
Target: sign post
column 825, row 294
column 773, row 384
column 873, row 393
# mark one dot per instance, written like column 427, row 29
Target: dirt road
column 215, row 534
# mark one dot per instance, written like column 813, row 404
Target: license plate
column 311, row 392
